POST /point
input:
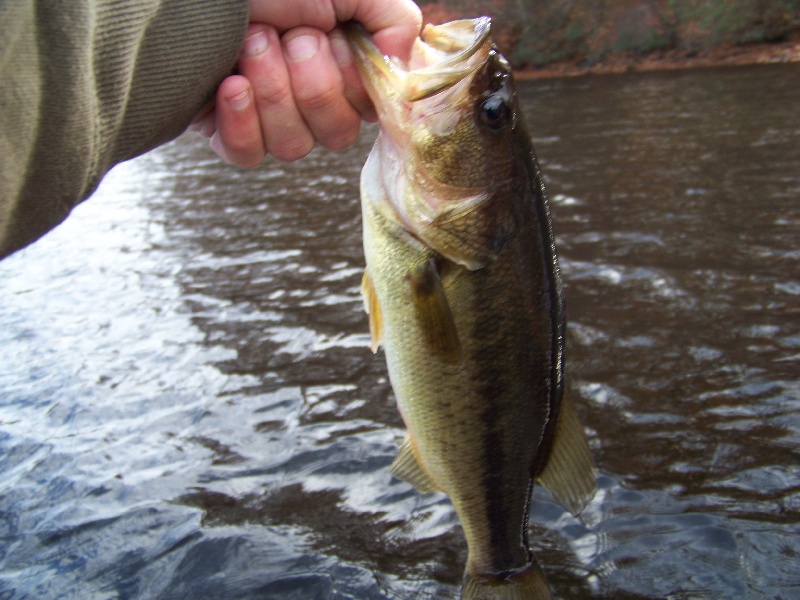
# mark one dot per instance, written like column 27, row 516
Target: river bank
column 545, row 40
column 668, row 60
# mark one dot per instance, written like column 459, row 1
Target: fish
column 464, row 294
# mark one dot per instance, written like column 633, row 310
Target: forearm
column 87, row 84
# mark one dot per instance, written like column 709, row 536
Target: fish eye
column 494, row 112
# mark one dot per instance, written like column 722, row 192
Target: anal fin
column 373, row 307
column 406, row 467
column 569, row 473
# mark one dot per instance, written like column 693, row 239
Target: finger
column 354, row 90
column 395, row 24
column 238, row 136
column 285, row 133
column 318, row 88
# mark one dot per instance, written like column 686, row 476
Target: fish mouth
column 442, row 56
column 419, row 104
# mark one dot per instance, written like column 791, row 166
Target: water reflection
column 188, row 407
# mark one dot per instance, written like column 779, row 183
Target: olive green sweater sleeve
column 86, row 84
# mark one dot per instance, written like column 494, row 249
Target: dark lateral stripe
column 490, row 379
column 497, row 513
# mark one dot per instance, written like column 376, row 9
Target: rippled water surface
column 189, row 408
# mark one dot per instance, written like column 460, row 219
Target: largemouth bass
column 463, row 292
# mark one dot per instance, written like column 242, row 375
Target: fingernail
column 302, row 47
column 340, row 49
column 240, row 101
column 255, row 44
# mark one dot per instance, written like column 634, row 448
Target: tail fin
column 527, row 584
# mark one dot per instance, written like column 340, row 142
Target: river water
column 189, row 408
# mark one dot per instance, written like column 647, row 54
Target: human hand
column 297, row 84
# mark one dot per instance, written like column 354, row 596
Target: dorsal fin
column 569, row 473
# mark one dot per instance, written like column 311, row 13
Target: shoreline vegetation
column 567, row 38
column 669, row 60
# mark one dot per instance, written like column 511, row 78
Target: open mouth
column 442, row 56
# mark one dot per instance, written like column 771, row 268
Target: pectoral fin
column 407, row 467
column 569, row 474
column 433, row 312
column 373, row 307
